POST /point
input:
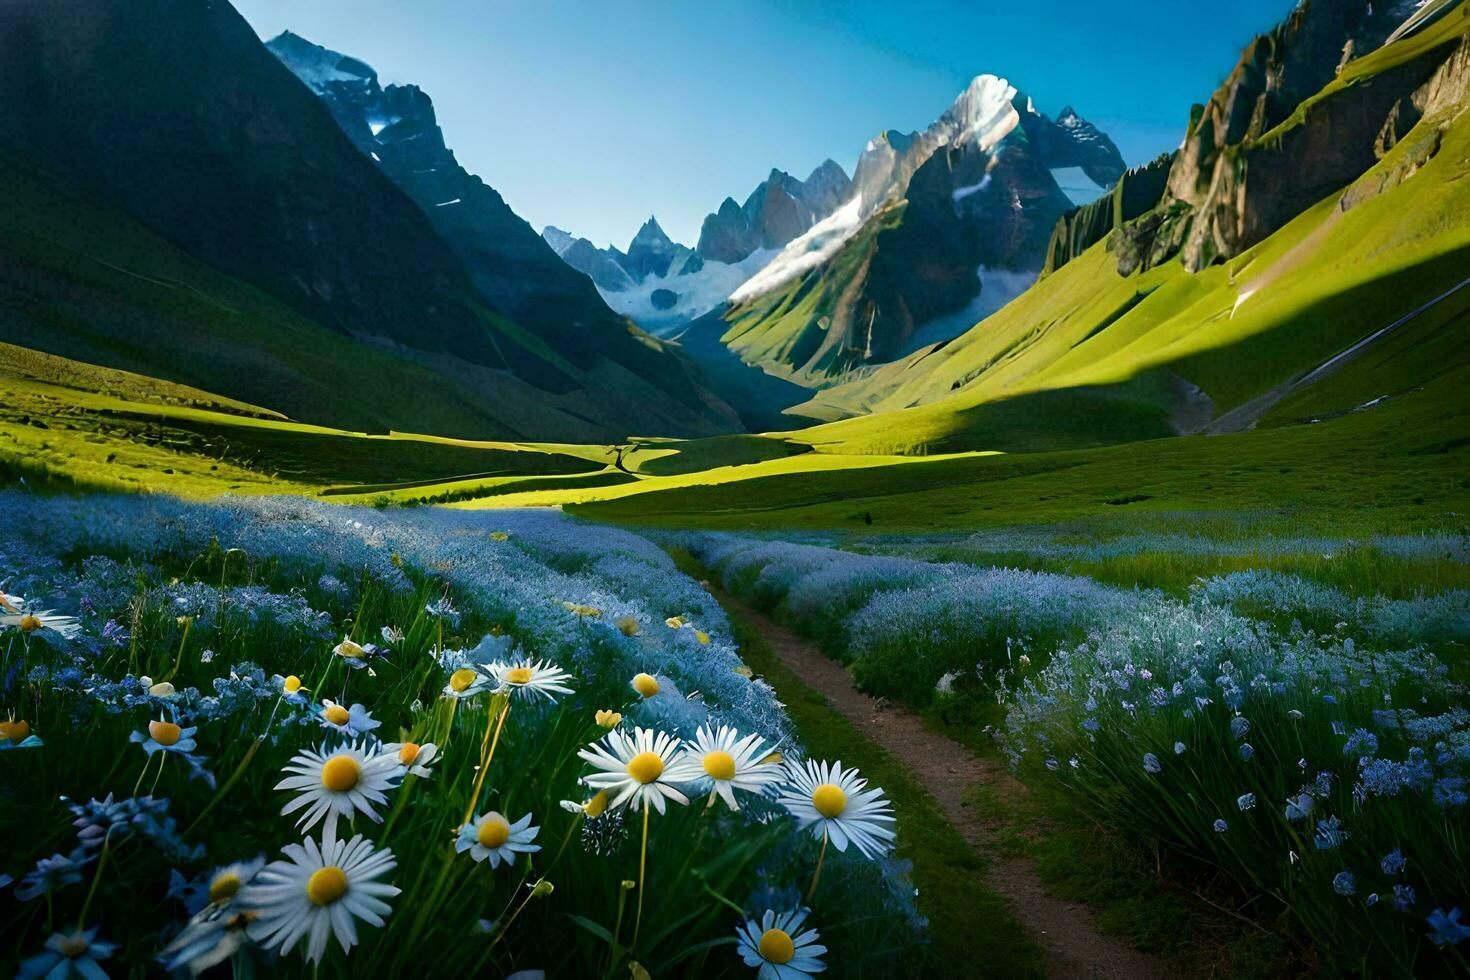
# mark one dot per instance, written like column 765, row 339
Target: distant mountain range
column 811, row 279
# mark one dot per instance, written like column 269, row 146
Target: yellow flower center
column 164, row 732
column 645, row 767
column 702, row 637
column 646, row 685
column 408, row 752
column 595, row 806
column 74, row 946
column 14, row 730
column 336, row 714
column 609, row 719
column 29, row 623
column 829, row 800
column 326, row 885
column 494, row 831
column 223, row 887
column 461, row 679
column 340, row 773
column 292, row 684
column 776, row 947
column 518, row 675
column 720, row 765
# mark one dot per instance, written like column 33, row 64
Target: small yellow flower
column 608, row 719
column 397, row 560
column 627, row 625
column 674, row 622
column 702, row 637
column 16, row 731
column 744, row 671
column 163, row 689
column 646, row 685
column 499, row 536
column 184, row 620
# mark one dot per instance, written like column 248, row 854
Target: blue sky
column 594, row 115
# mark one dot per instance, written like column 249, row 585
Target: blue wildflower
column 67, row 956
column 1247, row 751
column 1221, row 826
column 1151, row 763
column 1329, row 834
column 1246, row 801
column 1178, row 748
column 1240, row 726
column 1344, row 883
column 1393, row 862
column 1403, row 897
column 1298, row 807
column 1445, row 928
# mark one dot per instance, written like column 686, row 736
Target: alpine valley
column 1026, row 542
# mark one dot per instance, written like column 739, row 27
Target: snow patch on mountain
column 997, row 288
column 801, row 255
column 698, row 292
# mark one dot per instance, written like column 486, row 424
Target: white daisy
column 491, row 837
column 351, row 721
column 730, row 762
column 834, row 801
column 529, row 679
column 319, row 892
column 338, row 783
column 29, row 619
column 778, row 947
column 466, row 682
column 226, row 881
column 213, row 935
column 641, row 769
column 165, row 736
column 413, row 757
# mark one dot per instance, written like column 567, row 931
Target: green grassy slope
column 1132, row 348
column 102, row 428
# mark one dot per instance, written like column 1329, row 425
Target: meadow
column 304, row 737
column 1298, row 738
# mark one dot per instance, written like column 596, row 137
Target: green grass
column 1398, row 468
column 108, row 429
column 965, row 915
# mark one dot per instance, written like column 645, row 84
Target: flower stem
column 485, row 756
column 101, row 863
column 226, row 785
column 821, row 856
column 179, row 660
column 642, row 868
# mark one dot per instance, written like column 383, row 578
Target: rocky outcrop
column 650, row 252
column 1138, row 191
column 603, row 268
column 1276, row 138
column 778, row 210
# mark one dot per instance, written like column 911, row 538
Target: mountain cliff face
column 930, row 212
column 178, row 114
column 1278, row 134
column 778, row 210
column 511, row 265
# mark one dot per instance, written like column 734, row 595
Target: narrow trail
column 1066, row 931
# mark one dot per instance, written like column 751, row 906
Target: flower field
column 1305, row 745
column 272, row 734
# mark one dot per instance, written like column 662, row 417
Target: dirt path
column 1066, row 931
